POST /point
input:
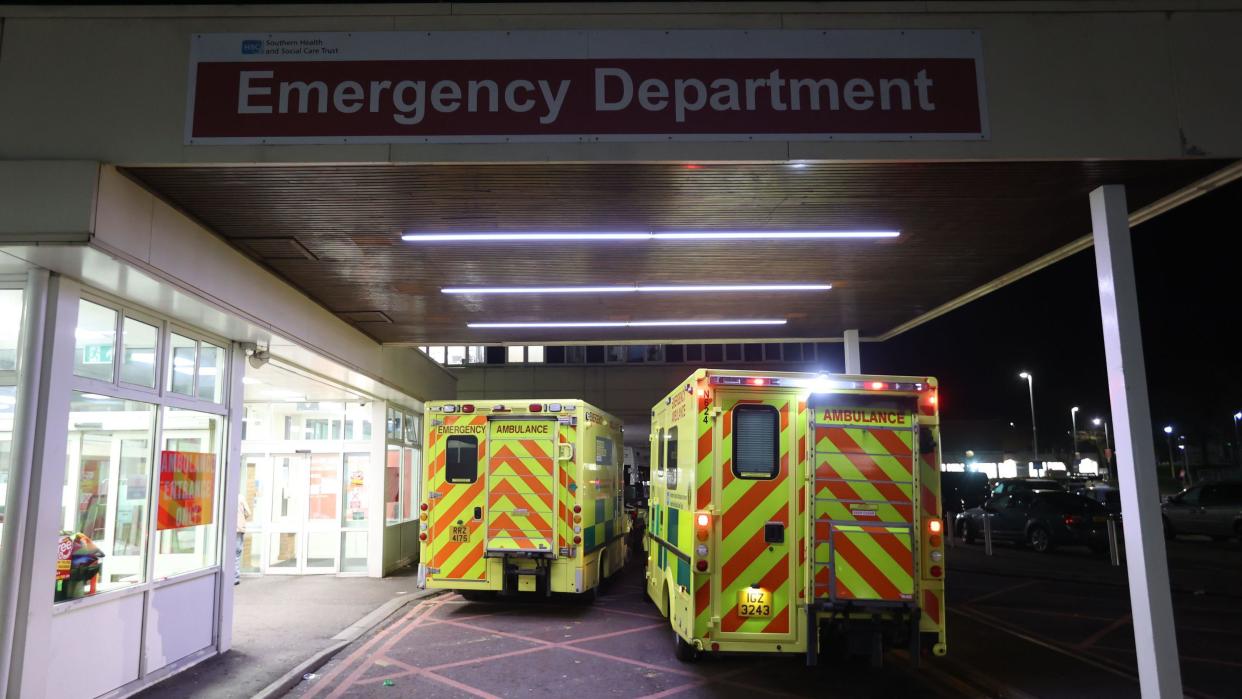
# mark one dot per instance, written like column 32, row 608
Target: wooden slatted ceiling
column 962, row 224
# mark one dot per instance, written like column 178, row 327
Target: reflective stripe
column 864, row 498
column 454, row 559
column 744, row 557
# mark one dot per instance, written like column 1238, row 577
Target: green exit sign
column 97, row 354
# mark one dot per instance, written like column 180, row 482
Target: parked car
column 1005, row 486
column 1103, row 493
column 961, row 491
column 1214, row 509
column 1042, row 519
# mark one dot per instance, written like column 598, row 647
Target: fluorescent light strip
column 650, row 235
column 631, row 324
column 632, row 289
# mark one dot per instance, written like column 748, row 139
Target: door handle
column 774, row 533
column 478, row 513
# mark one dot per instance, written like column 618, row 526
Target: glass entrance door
column 288, row 501
column 303, row 531
column 323, row 514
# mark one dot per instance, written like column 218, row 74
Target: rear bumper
column 519, row 553
column 882, row 621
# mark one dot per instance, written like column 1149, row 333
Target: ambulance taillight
column 935, row 540
column 702, row 531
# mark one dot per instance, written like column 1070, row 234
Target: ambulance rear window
column 756, row 439
column 461, row 459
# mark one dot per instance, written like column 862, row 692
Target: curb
column 348, row 635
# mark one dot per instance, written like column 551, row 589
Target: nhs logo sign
column 252, row 46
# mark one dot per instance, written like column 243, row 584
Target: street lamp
column 1236, row 417
column 1074, row 433
column 1108, row 462
column 1030, row 385
column 1168, row 437
column 1185, row 464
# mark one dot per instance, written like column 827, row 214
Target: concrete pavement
column 619, row 647
column 280, row 621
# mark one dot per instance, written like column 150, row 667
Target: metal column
column 25, row 418
column 1147, row 565
column 853, row 361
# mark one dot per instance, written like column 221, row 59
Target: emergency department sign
column 187, row 489
column 438, row 87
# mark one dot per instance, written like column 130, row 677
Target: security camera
column 258, row 358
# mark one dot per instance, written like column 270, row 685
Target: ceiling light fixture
column 646, row 288
column 707, row 236
column 629, row 324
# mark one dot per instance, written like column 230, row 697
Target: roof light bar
column 637, row 288
column 630, row 324
column 646, row 235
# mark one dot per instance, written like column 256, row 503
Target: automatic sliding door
column 288, row 513
column 323, row 514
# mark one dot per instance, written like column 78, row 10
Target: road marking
column 1000, row 625
column 459, row 685
column 419, row 612
column 459, row 663
column 1191, row 658
column 675, row 690
column 1003, row 590
column 1087, row 658
column 611, row 634
column 1098, row 635
column 1040, row 612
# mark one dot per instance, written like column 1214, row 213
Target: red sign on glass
column 586, row 86
column 187, row 489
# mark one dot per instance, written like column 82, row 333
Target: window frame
column 408, row 439
column 660, row 454
column 672, row 475
column 163, row 400
column 776, row 442
column 448, row 440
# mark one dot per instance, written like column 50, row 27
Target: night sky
column 1187, row 262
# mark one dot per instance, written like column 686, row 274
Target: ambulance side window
column 461, row 459
column 670, row 476
column 659, row 450
column 756, row 440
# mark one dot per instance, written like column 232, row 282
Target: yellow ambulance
column 520, row 495
column 797, row 513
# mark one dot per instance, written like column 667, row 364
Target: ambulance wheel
column 683, row 651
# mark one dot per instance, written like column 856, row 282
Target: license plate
column 754, row 602
column 459, row 533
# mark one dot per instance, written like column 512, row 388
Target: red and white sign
column 187, row 489
column 392, row 87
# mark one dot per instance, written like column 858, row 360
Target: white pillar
column 853, row 361
column 1146, row 563
column 232, row 494
column 25, row 419
column 29, row 675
